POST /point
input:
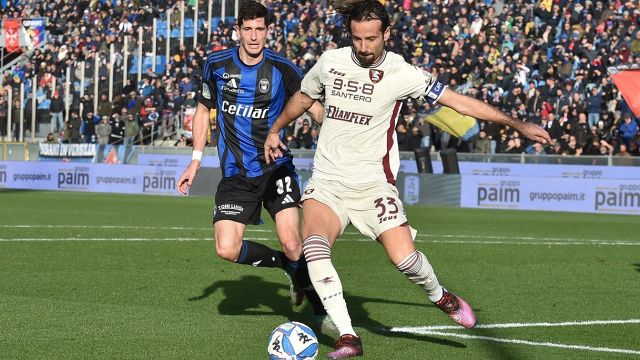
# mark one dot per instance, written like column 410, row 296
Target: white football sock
column 416, row 267
column 326, row 282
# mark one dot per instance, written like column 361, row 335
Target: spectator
column 482, row 144
column 402, row 136
column 628, row 129
column 415, row 138
column 104, row 107
column 103, row 131
column 72, row 129
column 595, row 105
column 303, row 137
column 51, row 139
column 131, row 131
column 56, row 108
column 117, row 131
column 89, row 127
column 538, row 149
column 581, row 130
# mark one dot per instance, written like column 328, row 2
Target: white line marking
column 433, row 238
column 23, row 226
column 533, row 343
column 104, row 239
column 433, row 330
column 273, row 238
column 519, row 325
column 425, row 238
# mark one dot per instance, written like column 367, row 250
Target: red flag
column 112, row 157
column 12, row 34
column 628, row 82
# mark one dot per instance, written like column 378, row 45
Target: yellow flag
column 451, row 121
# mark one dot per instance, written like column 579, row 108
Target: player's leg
column 231, row 246
column 385, row 220
column 287, row 225
column 287, row 230
column 237, row 205
column 281, row 198
column 320, row 229
column 398, row 243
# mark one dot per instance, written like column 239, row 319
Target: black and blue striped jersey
column 248, row 100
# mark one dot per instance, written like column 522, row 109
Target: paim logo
column 73, row 178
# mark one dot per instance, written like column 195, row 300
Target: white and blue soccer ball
column 292, row 341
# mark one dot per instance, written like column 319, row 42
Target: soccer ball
column 292, row 341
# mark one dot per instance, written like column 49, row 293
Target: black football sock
column 301, row 275
column 256, row 254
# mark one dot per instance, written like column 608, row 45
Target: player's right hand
column 185, row 181
column 535, row 133
column 272, row 146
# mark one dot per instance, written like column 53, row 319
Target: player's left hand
column 535, row 132
column 272, row 146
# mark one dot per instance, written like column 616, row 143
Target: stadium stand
column 543, row 61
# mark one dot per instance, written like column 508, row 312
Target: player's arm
column 466, row 105
column 200, row 127
column 206, row 100
column 296, row 106
column 316, row 111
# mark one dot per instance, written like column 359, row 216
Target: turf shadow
column 499, row 350
column 361, row 317
column 251, row 294
column 637, row 265
column 247, row 294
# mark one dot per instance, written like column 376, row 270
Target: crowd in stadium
column 542, row 61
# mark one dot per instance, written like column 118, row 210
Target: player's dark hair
column 363, row 10
column 251, row 10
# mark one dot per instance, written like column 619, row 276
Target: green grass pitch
column 102, row 276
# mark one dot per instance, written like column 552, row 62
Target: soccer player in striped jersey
column 249, row 86
column 357, row 160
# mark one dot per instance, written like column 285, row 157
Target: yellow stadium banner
column 456, row 124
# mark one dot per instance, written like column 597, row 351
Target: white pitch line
column 24, row 226
column 562, row 243
column 116, row 239
column 434, row 330
column 533, row 343
column 433, row 238
column 502, row 237
column 519, row 325
column 273, row 238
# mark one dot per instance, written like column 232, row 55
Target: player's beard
column 365, row 58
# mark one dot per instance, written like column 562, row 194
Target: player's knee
column 292, row 248
column 227, row 251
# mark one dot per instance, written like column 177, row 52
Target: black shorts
column 240, row 198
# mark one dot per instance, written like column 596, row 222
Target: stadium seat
column 214, row 22
column 161, row 28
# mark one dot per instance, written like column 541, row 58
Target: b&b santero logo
column 159, row 182
column 622, row 198
column 503, row 194
column 75, row 178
